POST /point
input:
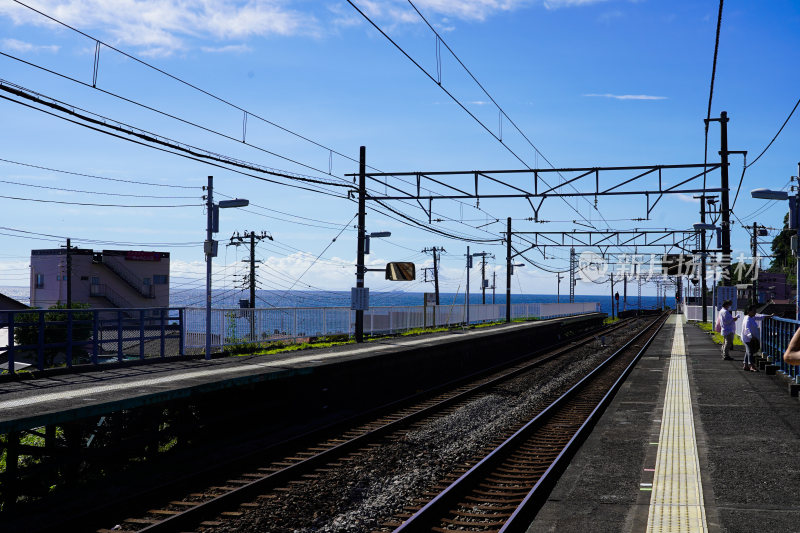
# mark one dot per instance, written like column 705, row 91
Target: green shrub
column 26, row 331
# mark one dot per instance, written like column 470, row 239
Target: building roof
column 10, row 304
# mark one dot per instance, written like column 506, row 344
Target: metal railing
column 69, row 337
column 775, row 336
column 133, row 280
column 104, row 291
column 231, row 327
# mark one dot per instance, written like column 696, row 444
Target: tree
column 782, row 258
column 26, row 330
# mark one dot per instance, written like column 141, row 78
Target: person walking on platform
column 751, row 337
column 728, row 323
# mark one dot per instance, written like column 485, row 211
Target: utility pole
column 483, row 255
column 755, row 262
column 483, row 278
column 436, row 251
column 703, row 262
column 469, row 266
column 209, row 245
column 362, row 192
column 725, row 210
column 494, row 284
column 725, row 205
column 69, row 275
column 238, row 239
column 624, row 292
column 612, row 296
column 639, row 288
column 572, row 269
column 558, row 290
column 508, row 269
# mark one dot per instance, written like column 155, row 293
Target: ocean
column 229, row 299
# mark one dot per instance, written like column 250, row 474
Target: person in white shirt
column 751, row 337
column 728, row 323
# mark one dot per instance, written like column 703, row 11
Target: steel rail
column 194, row 515
column 431, row 514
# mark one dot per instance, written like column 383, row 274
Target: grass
column 717, row 337
column 339, row 340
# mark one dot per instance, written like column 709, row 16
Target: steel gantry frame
column 535, row 187
column 541, row 189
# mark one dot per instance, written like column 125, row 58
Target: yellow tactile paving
column 676, row 501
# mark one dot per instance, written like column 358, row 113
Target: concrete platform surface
column 30, row 403
column 747, row 430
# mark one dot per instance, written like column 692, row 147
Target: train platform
column 690, row 443
column 383, row 364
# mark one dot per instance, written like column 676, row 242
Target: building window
column 39, row 281
column 159, row 279
column 95, row 280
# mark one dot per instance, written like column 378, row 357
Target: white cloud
column 627, row 96
column 470, row 9
column 22, row 46
column 556, row 4
column 689, row 199
column 231, row 48
column 479, row 102
column 161, row 27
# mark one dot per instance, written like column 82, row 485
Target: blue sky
column 591, row 83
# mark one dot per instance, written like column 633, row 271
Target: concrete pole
column 508, row 269
column 362, row 169
column 466, row 300
column 209, row 255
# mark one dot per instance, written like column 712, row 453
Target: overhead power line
column 776, row 135
column 458, row 102
column 98, row 241
column 198, row 187
column 94, row 205
column 746, row 165
column 95, row 192
column 711, row 87
column 169, row 115
column 160, row 143
column 249, row 114
column 207, row 93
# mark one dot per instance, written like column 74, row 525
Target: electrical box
column 210, row 248
column 366, row 245
column 215, row 219
column 793, row 213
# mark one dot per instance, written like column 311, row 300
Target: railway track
column 504, row 490
column 210, row 507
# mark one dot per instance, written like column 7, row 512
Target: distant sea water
column 229, row 299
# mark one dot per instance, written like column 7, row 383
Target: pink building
column 111, row 278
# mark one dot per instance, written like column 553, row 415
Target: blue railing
column 776, row 334
column 69, row 337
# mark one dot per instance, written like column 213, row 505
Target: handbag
column 754, row 345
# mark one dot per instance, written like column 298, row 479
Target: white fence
column 695, row 312
column 293, row 324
